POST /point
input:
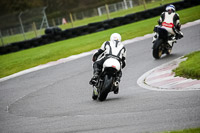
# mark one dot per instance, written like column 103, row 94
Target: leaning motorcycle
column 163, row 43
column 106, row 80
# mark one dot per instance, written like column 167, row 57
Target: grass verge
column 191, row 67
column 194, row 130
column 18, row 61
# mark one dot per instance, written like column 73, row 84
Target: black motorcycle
column 106, row 80
column 161, row 44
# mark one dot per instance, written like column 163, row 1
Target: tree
column 10, row 6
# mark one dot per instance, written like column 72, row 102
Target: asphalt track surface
column 58, row 98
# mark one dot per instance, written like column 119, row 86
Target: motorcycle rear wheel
column 157, row 50
column 107, row 84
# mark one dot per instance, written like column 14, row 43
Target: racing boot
column 94, row 79
column 97, row 70
column 179, row 35
column 171, row 41
column 154, row 37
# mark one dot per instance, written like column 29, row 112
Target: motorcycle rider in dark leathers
column 109, row 49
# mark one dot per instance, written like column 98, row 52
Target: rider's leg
column 119, row 75
column 154, row 37
column 171, row 36
column 96, row 72
column 97, row 67
column 178, row 33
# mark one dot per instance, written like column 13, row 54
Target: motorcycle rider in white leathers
column 109, row 49
column 169, row 20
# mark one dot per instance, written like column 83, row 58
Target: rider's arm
column 100, row 51
column 177, row 22
column 123, row 62
column 162, row 17
column 124, row 58
column 95, row 56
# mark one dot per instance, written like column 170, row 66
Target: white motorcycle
column 107, row 78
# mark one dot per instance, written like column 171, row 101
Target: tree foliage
column 10, row 6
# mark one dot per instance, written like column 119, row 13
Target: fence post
column 8, row 33
column 74, row 16
column 107, row 11
column 22, row 25
column 44, row 20
column 96, row 12
column 99, row 11
column 131, row 3
column 45, row 17
column 82, row 15
column 1, row 38
column 11, row 31
column 35, row 29
column 115, row 7
column 125, row 4
column 71, row 19
column 144, row 4
column 59, row 21
column 54, row 23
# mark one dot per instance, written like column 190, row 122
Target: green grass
column 20, row 37
column 194, row 130
column 31, row 34
column 191, row 67
column 18, row 61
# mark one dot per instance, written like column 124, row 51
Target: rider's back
column 114, row 48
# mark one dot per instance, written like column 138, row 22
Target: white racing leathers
column 114, row 48
column 110, row 49
column 169, row 21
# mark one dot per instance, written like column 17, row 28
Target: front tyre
column 107, row 84
column 157, row 49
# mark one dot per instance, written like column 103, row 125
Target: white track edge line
column 141, row 79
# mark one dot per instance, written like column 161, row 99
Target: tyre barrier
column 52, row 31
column 115, row 22
column 54, row 34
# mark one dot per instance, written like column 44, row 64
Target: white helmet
column 172, row 7
column 115, row 36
